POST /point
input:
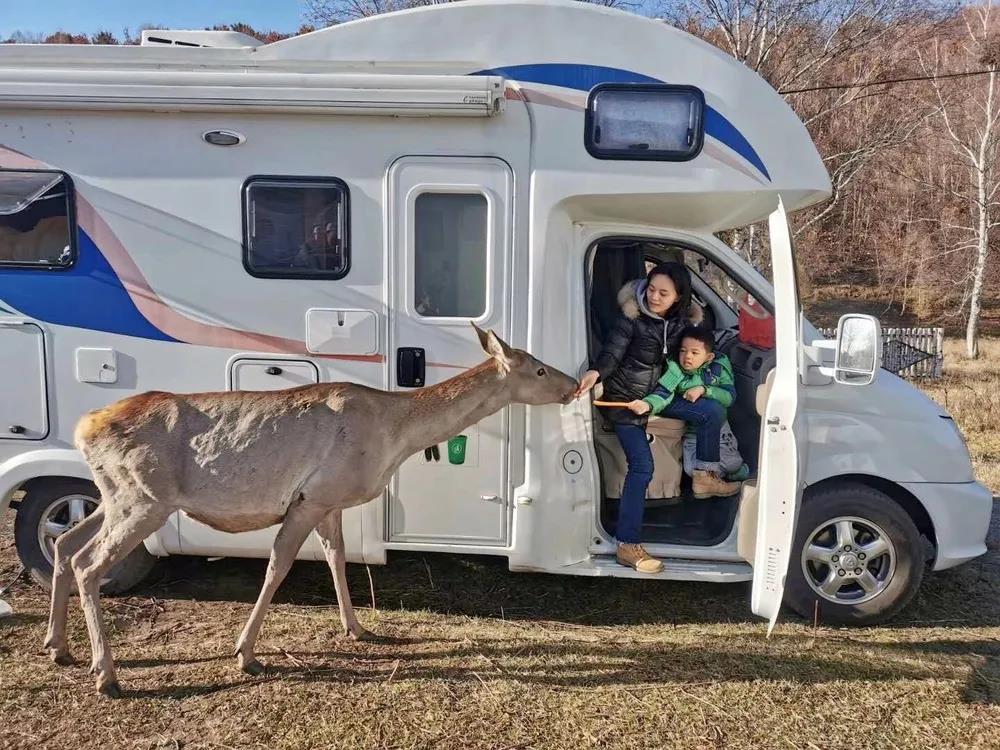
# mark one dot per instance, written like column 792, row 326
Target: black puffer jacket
column 635, row 351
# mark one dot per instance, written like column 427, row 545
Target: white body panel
column 159, row 291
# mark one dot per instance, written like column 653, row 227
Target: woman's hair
column 681, row 277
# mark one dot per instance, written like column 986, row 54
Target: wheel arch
column 37, row 467
column 902, row 496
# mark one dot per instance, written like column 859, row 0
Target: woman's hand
column 639, row 407
column 588, row 381
column 693, row 394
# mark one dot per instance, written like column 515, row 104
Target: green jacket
column 715, row 376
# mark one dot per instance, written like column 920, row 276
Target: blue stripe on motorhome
column 585, row 77
column 88, row 295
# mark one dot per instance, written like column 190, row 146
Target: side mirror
column 859, row 350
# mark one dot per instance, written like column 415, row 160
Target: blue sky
column 89, row 16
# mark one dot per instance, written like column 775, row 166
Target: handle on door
column 17, row 429
column 272, row 370
column 410, row 368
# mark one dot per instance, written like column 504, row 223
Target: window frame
column 295, row 274
column 464, row 190
column 598, row 152
column 74, row 250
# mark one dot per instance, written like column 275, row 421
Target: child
column 697, row 388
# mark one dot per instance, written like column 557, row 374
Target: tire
column 891, row 578
column 59, row 501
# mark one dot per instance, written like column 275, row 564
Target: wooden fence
column 900, row 345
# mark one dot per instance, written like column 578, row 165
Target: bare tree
column 970, row 115
column 329, row 12
column 25, row 37
column 805, row 48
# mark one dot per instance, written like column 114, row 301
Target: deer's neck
column 438, row 412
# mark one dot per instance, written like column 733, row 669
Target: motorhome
column 205, row 212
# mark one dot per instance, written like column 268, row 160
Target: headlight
column 958, row 434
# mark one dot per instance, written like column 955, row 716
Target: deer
column 245, row 460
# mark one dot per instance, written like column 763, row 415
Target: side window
column 643, row 121
column 37, row 227
column 729, row 291
column 450, row 255
column 296, row 227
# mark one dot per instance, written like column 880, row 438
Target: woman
column 654, row 312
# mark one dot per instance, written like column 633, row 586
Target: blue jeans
column 707, row 417
column 640, row 472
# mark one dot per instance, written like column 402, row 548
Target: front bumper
column 960, row 513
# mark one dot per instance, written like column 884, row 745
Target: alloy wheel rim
column 848, row 560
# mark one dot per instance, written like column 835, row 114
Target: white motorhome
column 204, row 212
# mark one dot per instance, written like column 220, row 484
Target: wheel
column 52, row 508
column 857, row 560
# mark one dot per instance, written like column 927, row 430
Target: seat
column 668, row 468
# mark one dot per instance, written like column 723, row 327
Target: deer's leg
column 121, row 533
column 291, row 535
column 331, row 532
column 67, row 545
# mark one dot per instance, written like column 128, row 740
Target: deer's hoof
column 362, row 634
column 61, row 657
column 110, row 689
column 253, row 668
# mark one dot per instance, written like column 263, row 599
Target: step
column 674, row 569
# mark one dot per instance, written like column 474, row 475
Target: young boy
column 698, row 388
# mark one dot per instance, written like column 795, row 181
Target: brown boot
column 634, row 556
column 707, row 484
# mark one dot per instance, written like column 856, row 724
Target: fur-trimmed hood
column 632, row 300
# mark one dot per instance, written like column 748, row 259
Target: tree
column 24, row 37
column 801, row 47
column 330, row 12
column 969, row 111
column 104, row 37
column 62, row 37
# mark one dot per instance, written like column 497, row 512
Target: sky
column 89, row 16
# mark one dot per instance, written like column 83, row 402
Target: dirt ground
column 473, row 656
column 476, row 657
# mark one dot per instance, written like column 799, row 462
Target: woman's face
column 661, row 294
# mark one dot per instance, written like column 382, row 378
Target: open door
column 779, row 487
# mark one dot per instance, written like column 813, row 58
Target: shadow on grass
column 968, row 596
column 580, row 665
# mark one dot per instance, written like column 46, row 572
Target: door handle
column 410, row 367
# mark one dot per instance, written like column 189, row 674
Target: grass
column 478, row 657
column 970, row 391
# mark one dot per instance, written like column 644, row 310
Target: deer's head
column 531, row 381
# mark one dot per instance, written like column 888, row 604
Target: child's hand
column 693, row 394
column 639, row 407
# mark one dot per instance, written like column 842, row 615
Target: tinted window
column 36, row 219
column 449, row 275
column 296, row 227
column 644, row 121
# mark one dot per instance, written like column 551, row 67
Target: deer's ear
column 495, row 347
column 484, row 338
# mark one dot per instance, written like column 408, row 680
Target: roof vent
column 230, row 39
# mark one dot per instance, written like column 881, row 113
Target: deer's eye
column 541, row 372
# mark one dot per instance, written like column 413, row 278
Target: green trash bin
column 456, row 449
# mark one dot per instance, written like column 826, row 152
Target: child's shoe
column 707, row 484
column 740, row 475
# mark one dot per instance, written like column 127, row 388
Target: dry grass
column 970, row 390
column 477, row 657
